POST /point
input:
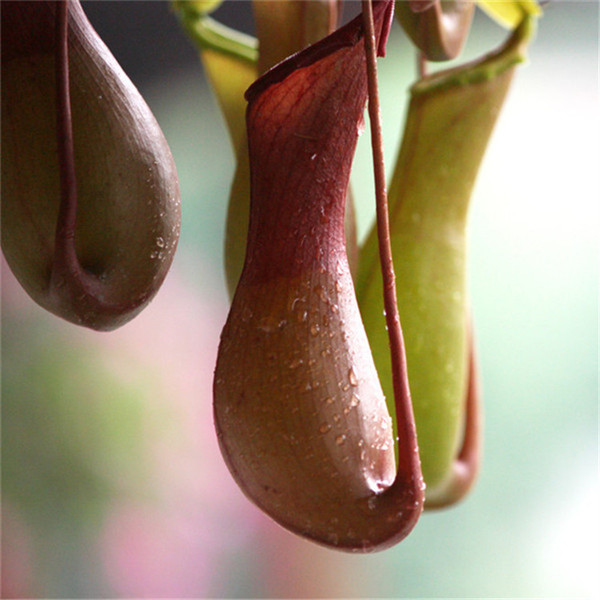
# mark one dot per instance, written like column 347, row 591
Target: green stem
column 209, row 34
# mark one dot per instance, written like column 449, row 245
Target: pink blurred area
column 173, row 524
column 17, row 555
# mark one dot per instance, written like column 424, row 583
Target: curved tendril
column 466, row 465
column 402, row 400
column 66, row 268
column 65, row 229
column 67, row 271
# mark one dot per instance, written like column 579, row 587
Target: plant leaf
column 450, row 119
column 284, row 27
column 127, row 209
column 299, row 412
column 439, row 28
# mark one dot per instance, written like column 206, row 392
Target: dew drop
column 296, row 363
column 340, row 439
column 267, row 324
column 352, row 377
column 160, row 242
column 314, row 329
column 324, row 428
column 333, row 538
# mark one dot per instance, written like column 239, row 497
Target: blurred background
column 112, row 482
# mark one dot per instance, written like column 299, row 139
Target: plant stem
column 209, row 34
column 65, row 227
column 421, row 64
column 396, row 340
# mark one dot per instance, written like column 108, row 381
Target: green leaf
column 450, row 119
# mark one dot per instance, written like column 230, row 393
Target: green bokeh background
column 529, row 529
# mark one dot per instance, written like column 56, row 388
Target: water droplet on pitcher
column 333, row 538
column 354, row 401
column 352, row 377
column 340, row 439
column 267, row 324
column 324, row 428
